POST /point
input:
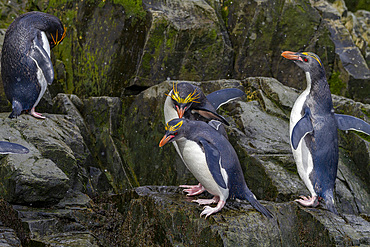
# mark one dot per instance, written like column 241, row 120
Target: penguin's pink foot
column 193, row 190
column 208, row 210
column 207, row 201
column 36, row 114
column 308, row 201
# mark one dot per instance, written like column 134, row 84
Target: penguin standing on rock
column 213, row 161
column 313, row 132
column 188, row 101
column 26, row 67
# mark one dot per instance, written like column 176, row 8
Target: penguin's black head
column 174, row 130
column 50, row 24
column 308, row 61
column 184, row 95
column 56, row 33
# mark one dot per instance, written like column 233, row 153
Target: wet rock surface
column 163, row 216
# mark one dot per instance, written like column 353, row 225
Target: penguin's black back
column 197, row 130
column 323, row 143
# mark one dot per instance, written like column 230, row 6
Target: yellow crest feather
column 173, row 128
column 189, row 98
column 313, row 56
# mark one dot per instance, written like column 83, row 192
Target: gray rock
column 58, row 159
column 184, row 40
column 358, row 26
column 102, row 116
column 355, row 73
column 8, row 238
column 56, row 227
column 173, row 220
column 29, row 178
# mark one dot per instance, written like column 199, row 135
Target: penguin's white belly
column 40, row 75
column 196, row 162
column 302, row 155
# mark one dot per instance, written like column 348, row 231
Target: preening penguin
column 26, row 67
column 12, row 148
column 213, row 161
column 188, row 101
column 313, row 132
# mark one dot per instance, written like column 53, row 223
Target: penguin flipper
column 302, row 127
column 223, row 96
column 346, row 122
column 41, row 57
column 209, row 114
column 12, row 148
column 214, row 162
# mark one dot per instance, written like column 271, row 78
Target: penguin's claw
column 308, row 201
column 207, row 201
column 36, row 114
column 208, row 210
column 193, row 190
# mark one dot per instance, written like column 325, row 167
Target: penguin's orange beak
column 290, row 55
column 180, row 111
column 165, row 139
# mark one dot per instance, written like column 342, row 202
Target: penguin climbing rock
column 26, row 67
column 313, row 132
column 213, row 162
column 188, row 101
column 12, row 148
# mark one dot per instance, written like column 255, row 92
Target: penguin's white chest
column 196, row 162
column 302, row 155
column 45, row 43
column 40, row 75
column 169, row 111
column 169, row 114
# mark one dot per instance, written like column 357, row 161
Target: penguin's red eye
column 305, row 59
column 175, row 134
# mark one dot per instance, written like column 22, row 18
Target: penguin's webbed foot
column 36, row 114
column 215, row 199
column 308, row 201
column 193, row 190
column 208, row 210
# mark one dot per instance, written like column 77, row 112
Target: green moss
column 354, row 5
column 363, row 136
column 101, row 4
column 335, row 83
column 225, row 10
column 133, row 9
column 367, row 113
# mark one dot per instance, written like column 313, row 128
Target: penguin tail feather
column 17, row 109
column 249, row 196
column 329, row 202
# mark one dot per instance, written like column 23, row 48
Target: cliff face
column 95, row 174
column 116, row 48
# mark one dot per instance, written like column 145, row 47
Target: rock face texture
column 106, row 144
column 95, row 175
column 122, row 47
